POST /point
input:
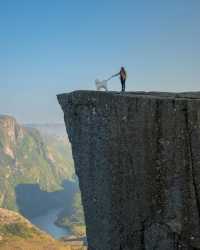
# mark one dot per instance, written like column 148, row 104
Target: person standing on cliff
column 123, row 76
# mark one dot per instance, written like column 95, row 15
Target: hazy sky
column 54, row 46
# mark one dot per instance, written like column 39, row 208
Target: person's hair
column 123, row 69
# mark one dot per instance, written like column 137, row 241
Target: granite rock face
column 137, row 156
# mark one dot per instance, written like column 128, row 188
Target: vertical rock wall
column 137, row 157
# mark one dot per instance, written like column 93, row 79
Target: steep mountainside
column 137, row 156
column 55, row 137
column 18, row 233
column 27, row 158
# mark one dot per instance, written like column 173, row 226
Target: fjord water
column 42, row 207
column 46, row 223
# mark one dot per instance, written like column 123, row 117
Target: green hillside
column 18, row 233
column 26, row 157
column 75, row 221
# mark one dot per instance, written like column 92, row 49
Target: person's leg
column 121, row 83
column 124, row 84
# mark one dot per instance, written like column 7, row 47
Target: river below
column 46, row 221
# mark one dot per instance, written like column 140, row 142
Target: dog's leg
column 105, row 88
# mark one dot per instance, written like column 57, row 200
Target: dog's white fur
column 101, row 84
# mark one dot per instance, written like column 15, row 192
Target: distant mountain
column 49, row 129
column 18, row 233
column 54, row 136
column 29, row 157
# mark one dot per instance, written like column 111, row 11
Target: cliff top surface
column 139, row 94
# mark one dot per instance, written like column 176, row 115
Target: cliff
column 137, row 156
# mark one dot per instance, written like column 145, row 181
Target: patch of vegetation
column 18, row 229
column 76, row 221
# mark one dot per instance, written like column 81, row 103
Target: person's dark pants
column 123, row 81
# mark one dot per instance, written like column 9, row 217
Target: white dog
column 101, row 84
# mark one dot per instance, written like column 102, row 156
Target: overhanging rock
column 137, row 156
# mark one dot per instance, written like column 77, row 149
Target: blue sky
column 49, row 47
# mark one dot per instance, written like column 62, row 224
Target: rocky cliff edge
column 137, row 156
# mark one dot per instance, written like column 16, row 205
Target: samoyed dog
column 101, row 84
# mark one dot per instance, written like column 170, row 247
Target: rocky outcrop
column 11, row 133
column 137, row 156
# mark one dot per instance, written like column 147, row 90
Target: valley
column 37, row 176
column 16, row 232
